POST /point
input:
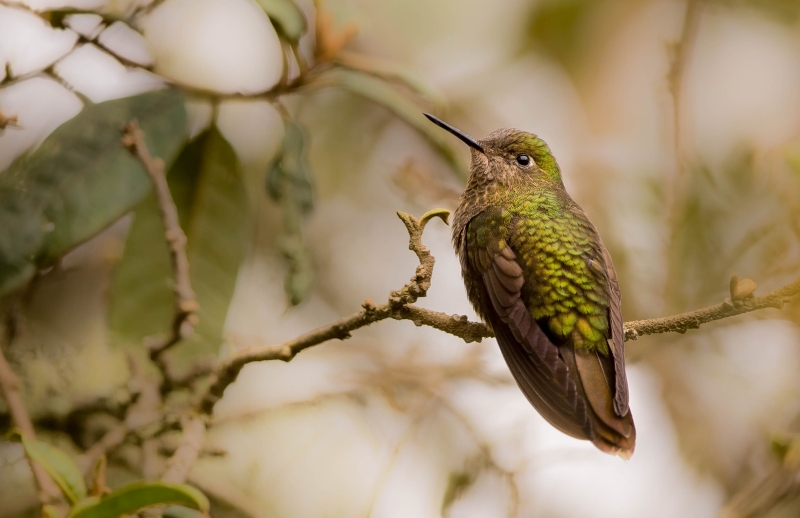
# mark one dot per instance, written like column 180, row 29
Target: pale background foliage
column 382, row 424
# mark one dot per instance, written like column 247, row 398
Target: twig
column 227, row 372
column 49, row 493
column 185, row 313
column 8, row 121
column 767, row 493
column 145, row 411
column 108, row 442
column 693, row 319
column 400, row 307
column 181, row 462
column 681, row 53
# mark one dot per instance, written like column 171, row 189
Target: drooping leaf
column 206, row 185
column 60, row 466
column 139, row 495
column 80, row 180
column 385, row 94
column 289, row 183
column 289, row 20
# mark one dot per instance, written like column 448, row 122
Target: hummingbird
column 536, row 271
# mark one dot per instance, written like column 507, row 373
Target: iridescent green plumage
column 536, row 271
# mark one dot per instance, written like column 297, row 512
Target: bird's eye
column 523, row 159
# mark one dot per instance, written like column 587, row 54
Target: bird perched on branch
column 537, row 272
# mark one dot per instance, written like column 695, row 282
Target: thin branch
column 185, row 311
column 49, row 493
column 181, row 462
column 227, row 372
column 8, row 121
column 145, row 411
column 400, row 307
column 108, row 442
column 681, row 56
column 681, row 53
column 767, row 493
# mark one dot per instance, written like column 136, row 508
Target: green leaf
column 208, row 191
column 289, row 20
column 80, row 180
column 289, row 183
column 178, row 511
column 385, row 94
column 139, row 495
column 56, row 463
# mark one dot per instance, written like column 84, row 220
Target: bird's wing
column 601, row 266
column 617, row 341
column 495, row 277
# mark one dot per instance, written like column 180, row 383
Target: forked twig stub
column 395, row 307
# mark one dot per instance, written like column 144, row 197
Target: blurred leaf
column 556, row 28
column 385, row 94
column 289, row 182
column 207, row 188
column 80, row 180
column 138, row 495
column 289, row 20
column 56, row 463
column 179, row 511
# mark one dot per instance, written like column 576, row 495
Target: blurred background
column 676, row 125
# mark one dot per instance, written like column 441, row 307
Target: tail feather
column 595, row 379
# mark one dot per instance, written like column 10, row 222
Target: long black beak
column 466, row 139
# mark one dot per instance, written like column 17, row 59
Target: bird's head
column 508, row 156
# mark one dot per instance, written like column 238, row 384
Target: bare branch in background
column 145, row 411
column 49, row 493
column 681, row 53
column 763, row 496
column 181, row 462
column 185, row 313
column 681, row 56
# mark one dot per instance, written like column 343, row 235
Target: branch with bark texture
column 400, row 307
column 193, row 438
column 48, row 491
column 417, row 287
column 184, row 317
